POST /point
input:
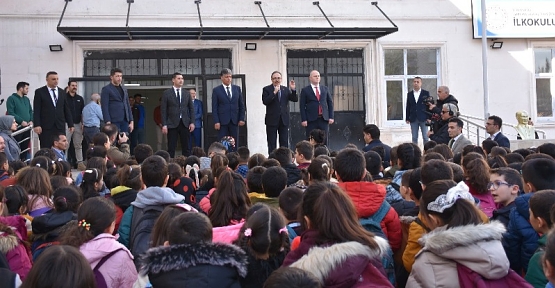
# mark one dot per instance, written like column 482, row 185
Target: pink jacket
column 119, row 270
column 12, row 246
column 205, row 202
column 226, row 234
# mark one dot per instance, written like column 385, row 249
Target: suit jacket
column 416, row 110
column 115, row 108
column 460, row 144
column 170, row 108
column 199, row 112
column 46, row 115
column 276, row 109
column 309, row 103
column 225, row 110
column 502, row 140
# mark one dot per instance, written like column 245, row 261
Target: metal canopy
column 225, row 33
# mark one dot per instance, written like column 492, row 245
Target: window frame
column 382, row 90
column 541, row 121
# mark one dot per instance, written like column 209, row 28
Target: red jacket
column 368, row 197
column 12, row 246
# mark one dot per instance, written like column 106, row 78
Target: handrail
column 30, row 138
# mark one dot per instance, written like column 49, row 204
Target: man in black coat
column 51, row 111
column 276, row 97
column 416, row 110
column 316, row 106
column 493, row 127
column 178, row 115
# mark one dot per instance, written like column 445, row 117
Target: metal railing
column 31, row 147
column 476, row 129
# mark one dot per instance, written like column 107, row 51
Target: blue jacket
column 416, row 110
column 392, row 195
column 502, row 140
column 521, row 240
column 115, row 107
column 198, row 113
column 225, row 110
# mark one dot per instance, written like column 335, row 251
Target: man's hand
column 276, row 89
column 30, row 123
column 108, row 122
column 24, row 123
column 165, row 130
column 217, row 126
column 191, row 127
column 37, row 130
column 71, row 129
column 431, row 106
column 292, row 84
column 241, row 123
column 408, row 122
column 430, row 133
column 304, row 123
column 130, row 126
column 122, row 138
column 330, row 121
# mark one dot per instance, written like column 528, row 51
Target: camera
column 428, row 100
column 123, row 133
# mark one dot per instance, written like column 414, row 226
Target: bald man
column 92, row 116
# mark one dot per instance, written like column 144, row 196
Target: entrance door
column 211, row 135
column 343, row 73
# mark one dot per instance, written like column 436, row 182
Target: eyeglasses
column 494, row 185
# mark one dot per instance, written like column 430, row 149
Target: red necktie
column 318, row 97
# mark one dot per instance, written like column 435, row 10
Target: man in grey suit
column 178, row 115
column 114, row 102
column 458, row 141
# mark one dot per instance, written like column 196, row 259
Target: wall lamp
column 496, row 45
column 250, row 46
column 55, row 48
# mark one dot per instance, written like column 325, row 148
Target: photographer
column 441, row 135
column 434, row 110
column 118, row 155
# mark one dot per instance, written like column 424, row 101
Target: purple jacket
column 12, row 246
column 119, row 270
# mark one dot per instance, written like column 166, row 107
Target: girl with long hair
column 476, row 175
column 36, row 182
column 129, row 179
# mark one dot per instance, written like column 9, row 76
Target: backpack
column 38, row 249
column 142, row 223
column 373, row 224
column 470, row 279
column 98, row 277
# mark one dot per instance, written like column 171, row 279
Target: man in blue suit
column 114, row 102
column 493, row 127
column 199, row 112
column 228, row 108
column 416, row 110
column 276, row 97
column 316, row 105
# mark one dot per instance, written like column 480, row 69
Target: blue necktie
column 228, row 92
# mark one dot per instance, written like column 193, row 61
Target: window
column 401, row 66
column 545, row 81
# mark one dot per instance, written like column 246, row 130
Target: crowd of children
column 302, row 218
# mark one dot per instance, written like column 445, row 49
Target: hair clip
column 248, row 232
column 283, row 230
column 446, row 201
column 38, row 165
column 84, row 224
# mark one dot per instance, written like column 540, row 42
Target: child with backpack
column 460, row 251
column 264, row 238
column 337, row 250
column 189, row 258
column 374, row 212
column 129, row 180
column 137, row 221
column 47, row 228
column 92, row 234
column 541, row 204
column 289, row 202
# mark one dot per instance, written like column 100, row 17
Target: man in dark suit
column 114, row 101
column 372, row 140
column 228, row 108
column 493, row 127
column 51, row 111
column 416, row 110
column 276, row 97
column 178, row 115
column 199, row 113
column 316, row 105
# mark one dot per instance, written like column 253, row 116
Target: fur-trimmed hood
column 7, row 242
column 178, row 257
column 321, row 261
column 477, row 247
column 407, row 219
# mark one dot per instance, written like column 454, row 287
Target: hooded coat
column 119, row 270
column 12, row 149
column 368, row 197
column 11, row 245
column 477, row 247
column 196, row 265
column 348, row 264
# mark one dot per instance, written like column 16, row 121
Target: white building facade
column 368, row 77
